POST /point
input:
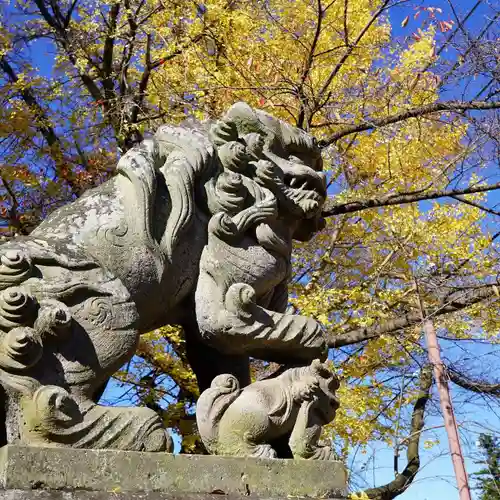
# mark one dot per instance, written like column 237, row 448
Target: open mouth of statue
column 305, row 192
column 305, row 183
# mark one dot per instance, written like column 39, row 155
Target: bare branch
column 470, row 384
column 69, row 14
column 107, row 56
column 350, row 49
column 460, row 301
column 308, row 66
column 454, row 106
column 475, row 205
column 401, row 198
column 403, row 480
column 452, row 35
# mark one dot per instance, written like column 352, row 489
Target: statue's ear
column 316, row 366
column 321, row 370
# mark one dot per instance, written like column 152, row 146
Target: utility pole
column 450, row 422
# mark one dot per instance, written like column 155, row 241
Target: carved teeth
column 309, row 205
column 293, row 182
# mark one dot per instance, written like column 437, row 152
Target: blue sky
column 474, row 413
column 435, row 479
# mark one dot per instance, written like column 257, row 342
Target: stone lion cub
column 245, row 422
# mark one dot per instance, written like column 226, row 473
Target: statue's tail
column 212, row 405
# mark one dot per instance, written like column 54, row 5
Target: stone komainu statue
column 195, row 229
column 247, row 422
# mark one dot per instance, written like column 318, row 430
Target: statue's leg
column 56, row 366
column 305, row 435
column 207, row 362
column 235, row 324
column 241, row 446
column 258, row 451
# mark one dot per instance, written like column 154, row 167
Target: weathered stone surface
column 195, row 229
column 115, row 471
column 245, row 422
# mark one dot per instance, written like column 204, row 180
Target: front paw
column 315, row 337
column 323, row 453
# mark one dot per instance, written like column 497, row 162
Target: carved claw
column 304, row 391
column 226, row 228
column 254, row 145
column 53, row 406
column 264, row 451
column 256, row 214
column 323, row 453
column 222, row 226
column 54, row 318
column 321, row 369
column 233, row 156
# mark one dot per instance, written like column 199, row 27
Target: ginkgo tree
column 403, row 100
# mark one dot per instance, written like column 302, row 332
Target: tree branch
column 69, row 14
column 409, row 113
column 62, row 36
column 460, row 301
column 107, row 56
column 27, row 95
column 43, row 126
column 14, row 220
column 128, row 49
column 401, row 198
column 350, row 49
column 475, row 205
column 403, row 480
column 468, row 383
column 139, row 99
column 308, row 66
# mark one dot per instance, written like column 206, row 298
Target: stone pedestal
column 29, row 473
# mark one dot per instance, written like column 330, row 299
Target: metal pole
column 450, row 422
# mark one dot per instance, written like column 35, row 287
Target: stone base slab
column 102, row 495
column 125, row 475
